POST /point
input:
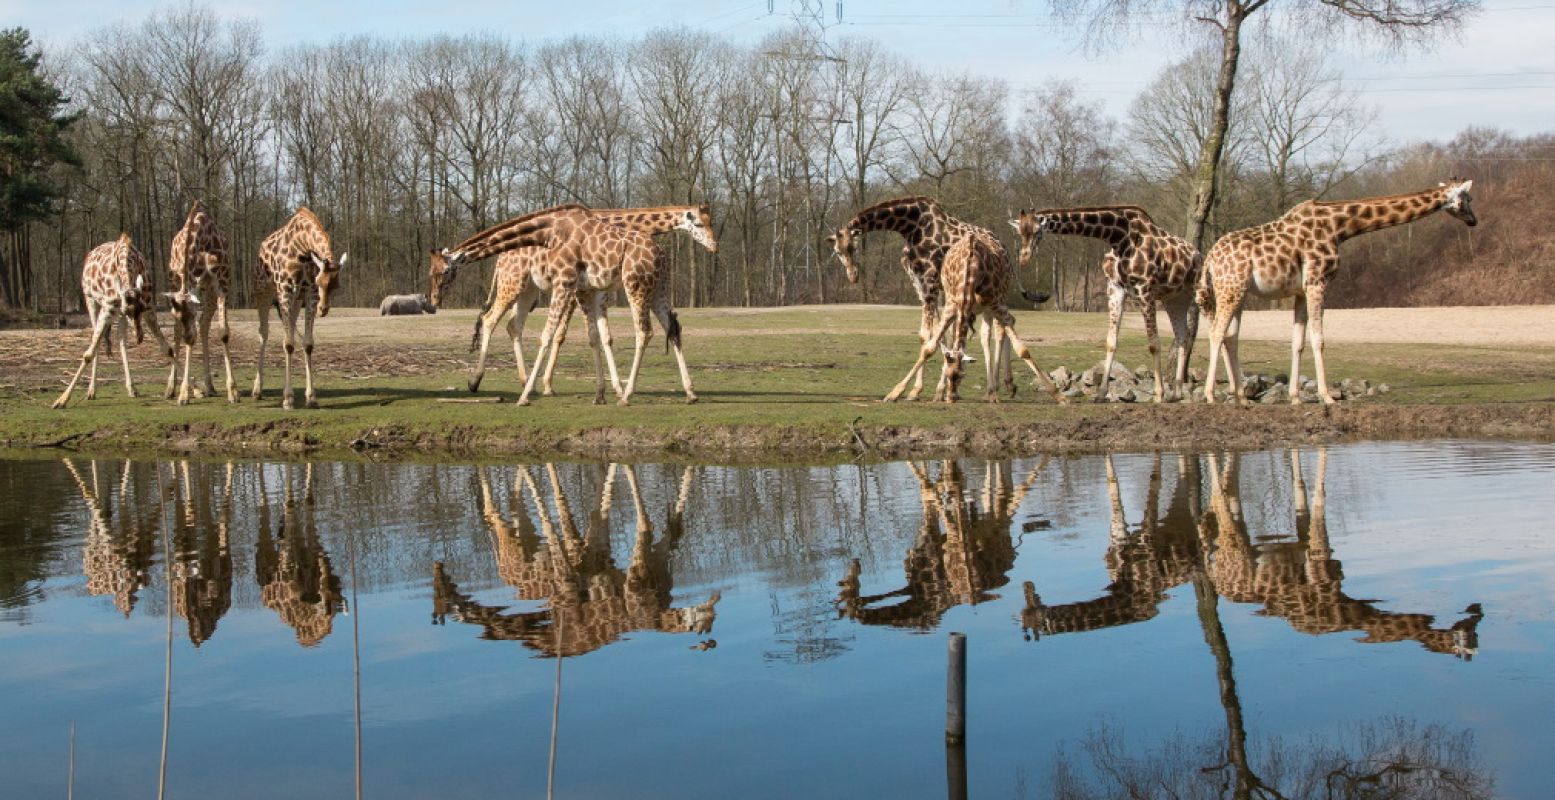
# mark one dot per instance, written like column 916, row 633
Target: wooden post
column 955, row 690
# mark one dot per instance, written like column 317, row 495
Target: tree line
column 401, row 145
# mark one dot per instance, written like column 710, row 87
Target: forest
column 401, row 145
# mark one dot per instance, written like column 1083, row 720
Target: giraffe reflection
column 961, row 554
column 1299, row 581
column 295, row 576
column 591, row 601
column 202, row 565
column 118, row 550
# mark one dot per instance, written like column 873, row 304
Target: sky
column 1500, row 72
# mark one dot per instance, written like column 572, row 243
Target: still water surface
column 1314, row 621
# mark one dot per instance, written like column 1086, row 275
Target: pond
column 1313, row 621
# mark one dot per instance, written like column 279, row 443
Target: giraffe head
column 133, row 300
column 1457, row 202
column 842, row 244
column 445, row 265
column 699, row 223
column 186, row 310
column 327, row 279
column 1030, row 227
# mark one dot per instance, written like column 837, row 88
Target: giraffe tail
column 672, row 333
column 475, row 339
column 1204, row 293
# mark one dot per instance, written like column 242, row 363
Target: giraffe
column 963, row 552
column 115, row 283
column 585, row 258
column 200, row 269
column 1145, row 261
column 592, row 602
column 511, row 279
column 1297, row 256
column 976, row 278
column 293, row 569
column 298, row 275
column 928, row 233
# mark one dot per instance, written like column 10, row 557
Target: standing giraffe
column 114, row 283
column 1154, row 266
column 585, row 258
column 298, row 274
column 929, row 233
column 511, row 278
column 1296, row 256
column 198, row 264
column 976, row 279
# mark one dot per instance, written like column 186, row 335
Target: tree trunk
column 1205, row 178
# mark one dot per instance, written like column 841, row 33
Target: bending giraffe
column 203, row 277
column 116, row 287
column 1145, row 261
column 592, row 602
column 928, row 232
column 585, row 258
column 512, row 280
column 120, row 544
column 976, row 279
column 1297, row 256
column 298, row 274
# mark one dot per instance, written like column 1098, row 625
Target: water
column 1172, row 622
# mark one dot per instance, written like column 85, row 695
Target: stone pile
column 1138, row 386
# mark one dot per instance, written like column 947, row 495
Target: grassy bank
column 774, row 385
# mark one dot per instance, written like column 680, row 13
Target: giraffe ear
column 1015, row 223
column 1468, row 184
column 140, row 282
column 343, row 257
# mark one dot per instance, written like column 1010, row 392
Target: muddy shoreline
column 1105, row 428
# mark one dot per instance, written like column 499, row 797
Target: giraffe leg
column 563, row 297
column 183, row 386
column 167, row 347
column 671, row 325
column 488, row 321
column 590, row 309
column 289, row 344
column 207, row 313
column 263, row 304
column 527, row 299
column 926, row 326
column 929, row 345
column 1315, row 332
column 225, row 334
column 1298, row 332
column 550, row 363
column 1226, row 308
column 601, row 329
column 89, row 357
column 953, row 353
column 106, row 345
column 643, row 328
column 1006, row 322
column 1154, row 339
column 1233, row 363
column 309, row 396
column 124, row 355
column 1006, row 366
column 1179, row 311
column 1115, row 295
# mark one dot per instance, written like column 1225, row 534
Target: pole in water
column 955, row 690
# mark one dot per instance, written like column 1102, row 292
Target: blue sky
column 1500, row 72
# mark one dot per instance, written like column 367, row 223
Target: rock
column 1371, row 391
column 1282, row 378
column 1271, row 397
column 1308, row 396
column 1090, row 376
column 1074, row 393
column 1141, row 396
column 1196, row 375
column 1062, row 376
column 1308, row 385
column 1143, row 372
column 1383, row 388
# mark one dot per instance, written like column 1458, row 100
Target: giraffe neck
column 1364, row 216
column 910, row 217
column 538, row 229
column 652, row 221
column 1110, row 225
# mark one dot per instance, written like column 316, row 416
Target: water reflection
column 964, row 549
column 119, row 547
column 590, row 602
column 1294, row 576
column 296, row 579
column 202, row 552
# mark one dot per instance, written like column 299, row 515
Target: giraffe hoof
column 183, row 399
column 233, row 397
column 547, row 392
column 312, row 402
column 91, row 394
column 475, row 385
column 57, row 404
column 691, row 399
column 625, row 401
column 130, row 393
column 288, row 404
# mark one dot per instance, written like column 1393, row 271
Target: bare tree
column 1396, row 23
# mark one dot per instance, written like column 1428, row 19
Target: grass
column 781, row 378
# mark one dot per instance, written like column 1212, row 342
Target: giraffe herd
column 960, row 272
